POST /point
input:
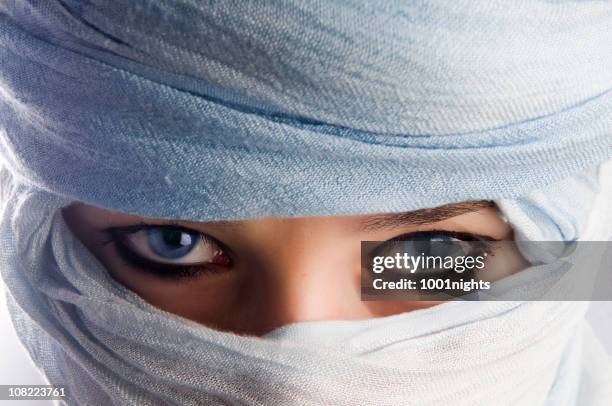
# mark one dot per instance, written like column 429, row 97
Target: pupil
column 175, row 238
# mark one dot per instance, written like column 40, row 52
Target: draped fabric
column 220, row 110
column 226, row 111
column 108, row 346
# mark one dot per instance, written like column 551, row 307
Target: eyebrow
column 423, row 216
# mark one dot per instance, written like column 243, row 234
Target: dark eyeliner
column 116, row 236
column 455, row 234
column 482, row 243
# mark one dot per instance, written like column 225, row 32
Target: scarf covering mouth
column 226, row 111
column 109, row 347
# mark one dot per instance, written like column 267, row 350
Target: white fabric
column 110, row 347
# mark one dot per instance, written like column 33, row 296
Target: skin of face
column 283, row 270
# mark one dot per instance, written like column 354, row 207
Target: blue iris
column 436, row 243
column 171, row 243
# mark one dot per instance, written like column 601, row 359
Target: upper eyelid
column 447, row 232
column 206, row 237
column 143, row 226
column 483, row 242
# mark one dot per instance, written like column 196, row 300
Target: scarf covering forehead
column 241, row 110
column 224, row 111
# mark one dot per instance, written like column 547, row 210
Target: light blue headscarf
column 208, row 111
column 224, row 111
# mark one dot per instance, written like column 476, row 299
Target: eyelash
column 177, row 272
column 164, row 270
column 455, row 234
column 482, row 243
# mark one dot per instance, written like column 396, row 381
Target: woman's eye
column 434, row 245
column 155, row 246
